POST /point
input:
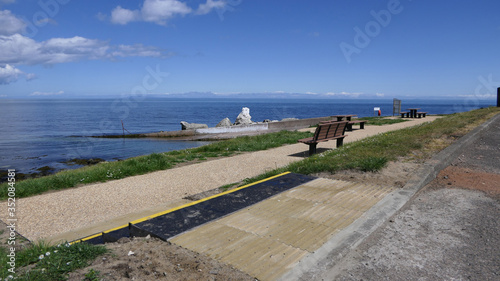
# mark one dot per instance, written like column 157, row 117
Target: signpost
column 396, row 107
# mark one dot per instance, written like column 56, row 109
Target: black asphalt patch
column 170, row 224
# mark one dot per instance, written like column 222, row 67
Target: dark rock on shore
column 83, row 162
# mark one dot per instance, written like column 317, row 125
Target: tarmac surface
column 450, row 230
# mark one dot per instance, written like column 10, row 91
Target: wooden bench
column 405, row 113
column 324, row 132
column 360, row 122
column 421, row 114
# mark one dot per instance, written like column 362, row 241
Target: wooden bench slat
column 324, row 132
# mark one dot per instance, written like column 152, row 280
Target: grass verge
column 41, row 261
column 106, row 171
column 373, row 153
column 379, row 121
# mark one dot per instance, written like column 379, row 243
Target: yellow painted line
column 86, row 238
column 99, row 234
column 206, row 199
column 116, row 228
column 180, row 207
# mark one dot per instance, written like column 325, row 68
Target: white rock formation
column 244, row 117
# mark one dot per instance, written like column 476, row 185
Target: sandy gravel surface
column 52, row 214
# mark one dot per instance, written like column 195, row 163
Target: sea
column 49, row 133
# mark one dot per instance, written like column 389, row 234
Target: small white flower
column 68, row 263
column 41, row 257
column 55, row 251
column 47, row 254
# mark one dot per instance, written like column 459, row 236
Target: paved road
column 449, row 231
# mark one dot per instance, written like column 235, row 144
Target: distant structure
column 498, row 97
column 396, row 107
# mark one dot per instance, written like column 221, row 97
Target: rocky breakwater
column 243, row 125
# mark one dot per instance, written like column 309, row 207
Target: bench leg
column 312, row 149
column 340, row 142
column 361, row 126
column 348, row 127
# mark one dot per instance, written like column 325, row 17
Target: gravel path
column 56, row 213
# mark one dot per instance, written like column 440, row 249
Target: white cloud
column 311, row 93
column 380, row 95
column 9, row 74
column 10, row 24
column 344, row 94
column 137, row 50
column 47, row 93
column 44, row 21
column 102, row 17
column 124, row 16
column 160, row 11
column 157, row 11
column 18, row 49
column 210, row 5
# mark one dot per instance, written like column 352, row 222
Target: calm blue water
column 37, row 133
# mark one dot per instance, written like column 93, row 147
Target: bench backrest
column 330, row 130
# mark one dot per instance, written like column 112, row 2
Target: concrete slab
column 267, row 239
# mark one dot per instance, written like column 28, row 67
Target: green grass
column 45, row 262
column 379, row 121
column 106, row 171
column 373, row 153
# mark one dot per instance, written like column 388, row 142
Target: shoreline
column 183, row 135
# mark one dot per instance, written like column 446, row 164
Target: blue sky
column 324, row 48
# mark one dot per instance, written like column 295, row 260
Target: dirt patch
column 396, row 174
column 442, row 234
column 152, row 259
column 459, row 177
column 5, row 236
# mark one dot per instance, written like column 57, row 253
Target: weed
column 42, row 261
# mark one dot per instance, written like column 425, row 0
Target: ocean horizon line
column 265, row 95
